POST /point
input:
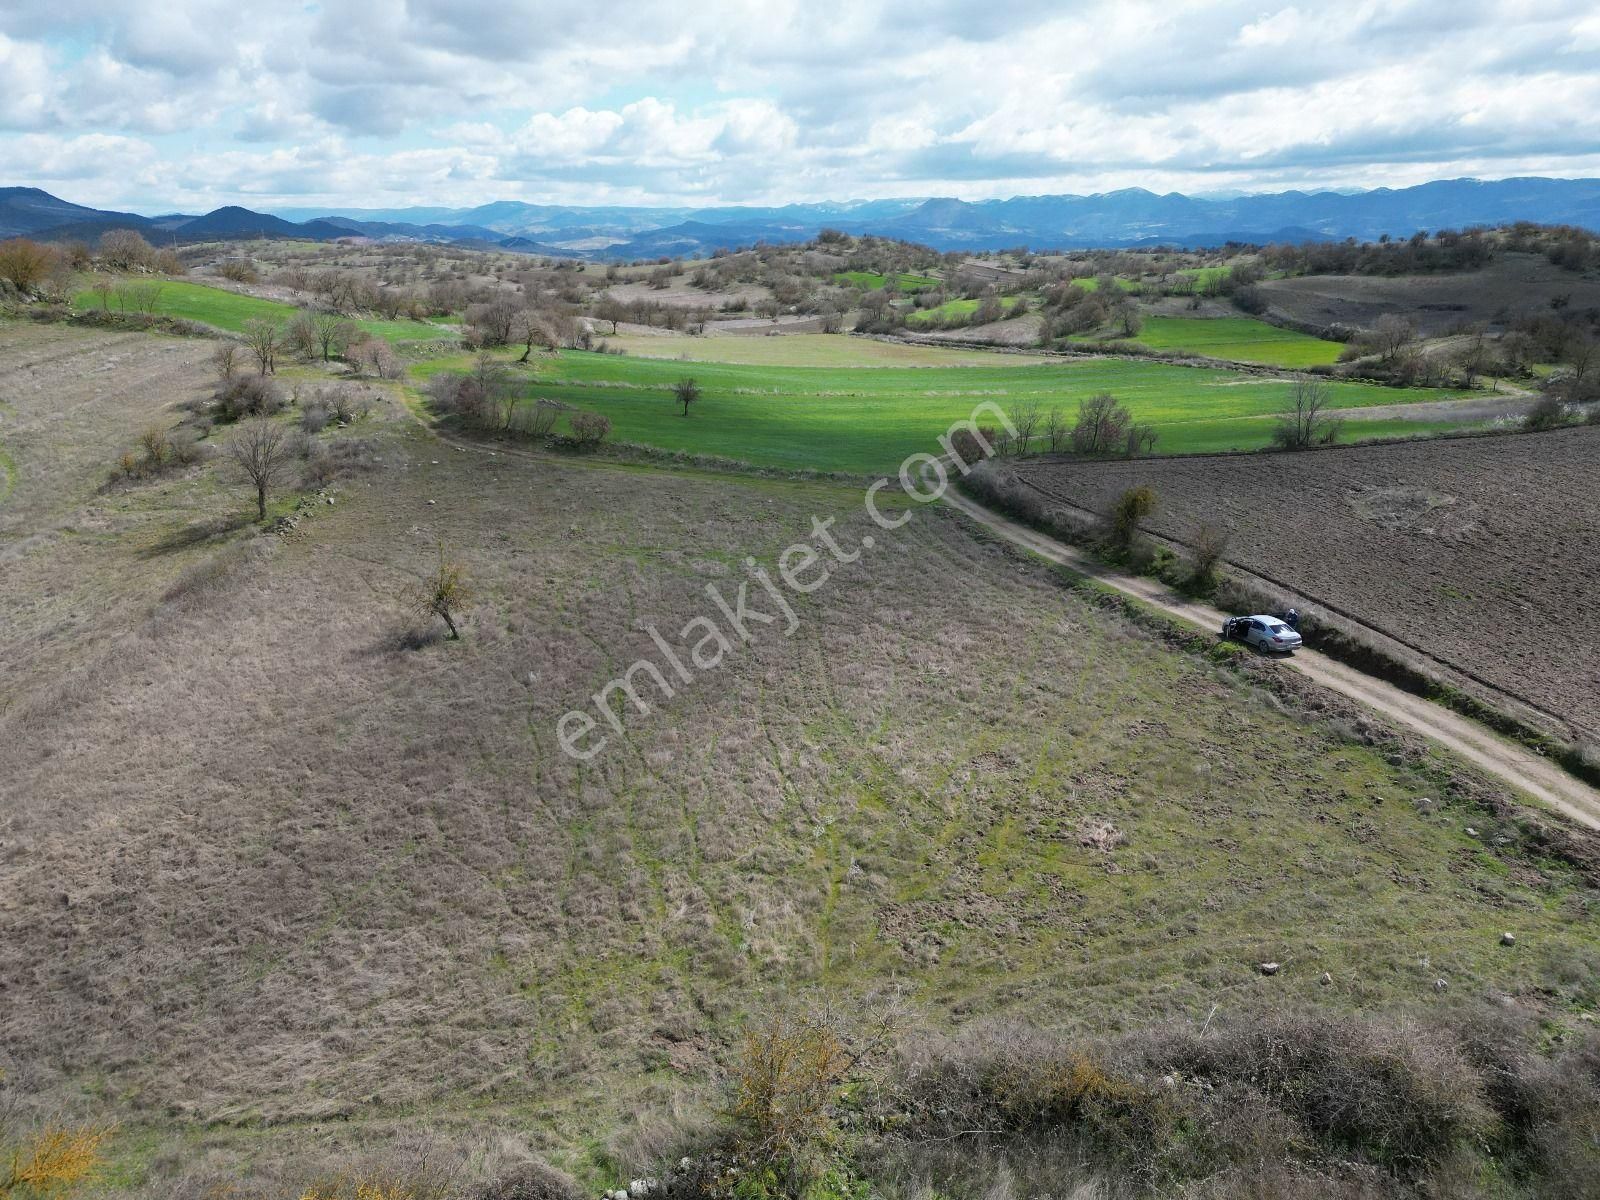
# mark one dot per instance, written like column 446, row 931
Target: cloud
column 460, row 101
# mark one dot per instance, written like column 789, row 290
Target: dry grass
column 260, row 865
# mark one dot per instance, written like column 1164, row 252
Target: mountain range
column 1127, row 218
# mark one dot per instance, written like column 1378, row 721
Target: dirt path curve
column 1505, row 759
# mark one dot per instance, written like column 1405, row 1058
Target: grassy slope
column 223, row 309
column 1239, row 339
column 808, row 350
column 905, row 281
column 960, row 308
column 367, row 882
column 869, row 419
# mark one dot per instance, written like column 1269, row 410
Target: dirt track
column 1494, row 754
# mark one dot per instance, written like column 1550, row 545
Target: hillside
column 271, row 859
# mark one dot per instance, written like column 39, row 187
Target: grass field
column 1237, row 339
column 1091, row 283
column 810, row 350
column 327, row 886
column 1206, row 276
column 227, row 310
column 868, row 419
column 905, row 281
column 961, row 308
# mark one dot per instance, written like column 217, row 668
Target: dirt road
column 1500, row 757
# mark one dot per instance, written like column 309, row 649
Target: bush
column 1548, row 412
column 1130, row 509
column 589, row 428
column 531, row 1181
column 1209, row 545
column 247, row 396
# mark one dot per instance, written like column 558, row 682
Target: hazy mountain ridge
column 1129, row 217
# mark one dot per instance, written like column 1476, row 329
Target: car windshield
column 1276, row 628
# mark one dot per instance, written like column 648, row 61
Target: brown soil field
column 1479, row 552
column 1510, row 286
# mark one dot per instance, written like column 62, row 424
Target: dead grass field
column 260, row 862
column 1479, row 552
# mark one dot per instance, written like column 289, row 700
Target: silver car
column 1262, row 632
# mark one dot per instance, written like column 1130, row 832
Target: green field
column 1090, row 283
column 872, row 280
column 1236, row 339
column 866, row 420
column 1206, row 276
column 808, row 350
column 227, row 310
column 962, row 308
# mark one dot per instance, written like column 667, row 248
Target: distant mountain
column 235, row 222
column 29, row 210
column 1130, row 217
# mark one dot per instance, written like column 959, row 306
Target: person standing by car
column 1292, row 619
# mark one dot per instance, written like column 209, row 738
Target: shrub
column 1129, row 511
column 247, row 396
column 52, row 1161
column 589, row 428
column 787, row 1074
column 1209, row 544
column 531, row 1181
column 240, row 270
column 1547, row 412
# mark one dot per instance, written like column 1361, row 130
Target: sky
column 185, row 105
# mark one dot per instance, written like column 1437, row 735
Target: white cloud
column 456, row 101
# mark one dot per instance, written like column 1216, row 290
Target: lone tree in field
column 263, row 453
column 443, row 594
column 1102, row 425
column 686, row 391
column 264, row 340
column 1308, row 423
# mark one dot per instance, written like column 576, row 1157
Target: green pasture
column 1235, row 339
column 1091, row 283
column 962, row 308
column 872, row 280
column 866, row 420
column 229, row 311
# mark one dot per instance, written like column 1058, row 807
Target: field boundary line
column 1479, row 745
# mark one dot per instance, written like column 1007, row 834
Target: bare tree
column 1025, row 420
column 332, row 333
column 225, row 358
column 1308, row 423
column 1582, row 356
column 686, row 391
column 442, row 594
column 263, row 338
column 1056, row 431
column 263, row 453
column 1391, row 334
column 1102, row 425
column 531, row 329
column 125, row 249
